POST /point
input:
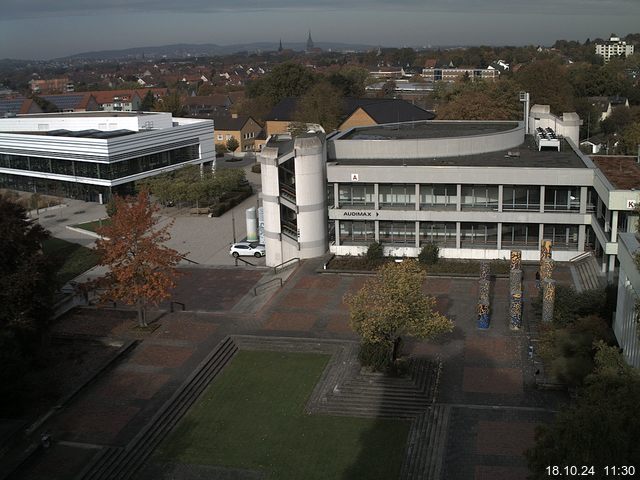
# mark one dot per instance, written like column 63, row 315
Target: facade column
column 583, row 200
column 417, row 197
column 499, row 233
column 540, row 235
column 417, row 235
column 336, row 232
column 459, row 203
column 500, row 199
column 376, row 204
column 336, row 195
column 614, row 226
column 458, row 239
column 377, row 230
column 582, row 237
column 541, row 202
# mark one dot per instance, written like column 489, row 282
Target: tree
column 141, row 269
column 322, row 104
column 148, row 102
column 285, row 80
column 481, row 100
column 232, row 144
column 27, row 285
column 601, row 428
column 631, row 139
column 548, row 83
column 392, row 304
column 172, row 103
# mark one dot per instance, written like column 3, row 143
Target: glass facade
column 443, row 234
column 356, row 195
column 523, row 235
column 562, row 199
column 398, row 196
column 520, row 197
column 479, row 197
column 398, row 233
column 106, row 171
column 478, row 235
column 564, row 237
column 354, row 232
column 438, row 197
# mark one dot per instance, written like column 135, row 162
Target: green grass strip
column 252, row 417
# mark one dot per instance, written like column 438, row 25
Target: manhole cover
column 79, row 211
column 49, row 216
column 60, row 220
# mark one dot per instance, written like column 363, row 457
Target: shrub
column 256, row 168
column 375, row 252
column 429, row 254
column 111, row 206
column 376, row 356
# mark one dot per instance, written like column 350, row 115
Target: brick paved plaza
column 486, row 377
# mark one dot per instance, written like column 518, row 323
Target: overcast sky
column 42, row 29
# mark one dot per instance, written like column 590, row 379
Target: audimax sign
column 360, row 213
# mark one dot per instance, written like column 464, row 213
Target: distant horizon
column 45, row 30
column 302, row 43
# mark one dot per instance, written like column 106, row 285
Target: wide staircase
column 369, row 394
column 117, row 463
column 586, row 272
column 426, row 444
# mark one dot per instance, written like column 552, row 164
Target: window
column 401, row 196
column 398, row 233
column 438, row 197
column 520, row 197
column 562, row 199
column 479, row 197
column 355, row 232
column 563, row 237
column 520, row 235
column 478, row 235
column 443, row 234
column 356, row 195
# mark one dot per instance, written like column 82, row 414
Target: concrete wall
column 427, row 147
column 624, row 324
column 311, row 193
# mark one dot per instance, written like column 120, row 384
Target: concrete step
column 123, row 464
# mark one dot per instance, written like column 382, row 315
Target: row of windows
column 478, row 235
column 445, row 197
column 110, row 171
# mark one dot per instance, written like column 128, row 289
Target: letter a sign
column 354, row 177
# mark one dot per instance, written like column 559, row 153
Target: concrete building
column 613, row 47
column 453, row 74
column 91, row 155
column 625, row 324
column 477, row 189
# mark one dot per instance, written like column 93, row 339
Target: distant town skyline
column 44, row 29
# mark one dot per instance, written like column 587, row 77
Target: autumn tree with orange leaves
column 142, row 270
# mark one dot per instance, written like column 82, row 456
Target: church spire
column 280, row 47
column 309, row 42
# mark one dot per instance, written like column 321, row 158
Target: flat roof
column 622, row 171
column 98, row 113
column 526, row 156
column 427, row 129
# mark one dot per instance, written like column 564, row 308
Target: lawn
column 93, row 226
column 252, row 417
column 70, row 259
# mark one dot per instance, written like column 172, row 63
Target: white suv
column 247, row 249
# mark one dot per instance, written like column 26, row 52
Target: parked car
column 247, row 249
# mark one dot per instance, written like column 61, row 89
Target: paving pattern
column 477, row 415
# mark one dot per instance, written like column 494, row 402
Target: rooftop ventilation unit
column 547, row 138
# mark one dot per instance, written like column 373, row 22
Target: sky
column 44, row 29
